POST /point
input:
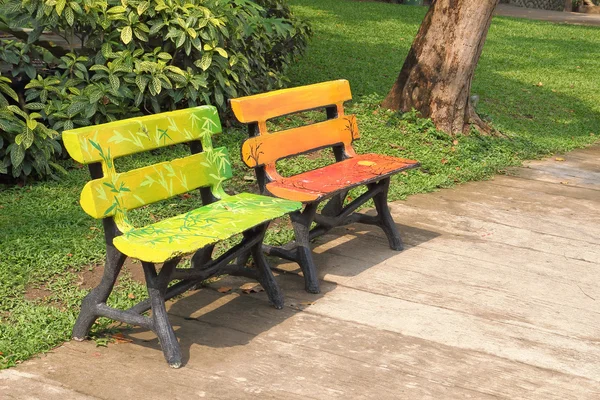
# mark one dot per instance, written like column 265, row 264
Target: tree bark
column 436, row 76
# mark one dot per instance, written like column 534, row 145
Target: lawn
column 537, row 83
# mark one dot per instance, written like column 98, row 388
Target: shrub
column 133, row 57
column 26, row 145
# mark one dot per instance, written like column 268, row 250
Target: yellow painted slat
column 262, row 107
column 103, row 143
column 186, row 233
column 266, row 149
column 114, row 194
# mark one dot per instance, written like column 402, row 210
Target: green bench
column 111, row 194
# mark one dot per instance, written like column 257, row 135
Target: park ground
column 537, row 83
column 494, row 297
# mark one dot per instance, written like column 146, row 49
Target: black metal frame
column 334, row 214
column 203, row 267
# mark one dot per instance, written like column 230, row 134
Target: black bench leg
column 88, row 314
column 386, row 222
column 243, row 258
column 157, row 287
column 202, row 256
column 301, row 222
column 335, row 205
column 265, row 275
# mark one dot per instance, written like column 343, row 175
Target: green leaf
column 34, row 35
column 166, row 83
column 142, row 7
column 30, row 71
column 17, row 154
column 206, row 61
column 140, row 35
column 126, row 34
column 156, row 85
column 180, row 40
column 219, row 98
column 156, row 28
column 31, row 124
column 60, row 6
column 221, row 52
column 138, row 99
column 188, row 47
column 17, row 111
column 75, row 108
column 69, row 16
column 75, row 7
column 114, row 82
column 191, row 32
column 35, row 106
column 116, row 10
column 174, row 69
column 141, row 82
column 7, row 90
column 27, row 138
column 106, row 50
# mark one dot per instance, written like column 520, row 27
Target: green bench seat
column 186, row 233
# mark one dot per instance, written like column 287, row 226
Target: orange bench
column 332, row 183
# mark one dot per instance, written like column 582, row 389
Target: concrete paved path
column 575, row 18
column 495, row 297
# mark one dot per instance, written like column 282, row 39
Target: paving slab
column 565, row 17
column 494, row 297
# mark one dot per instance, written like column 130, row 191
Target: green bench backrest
column 115, row 193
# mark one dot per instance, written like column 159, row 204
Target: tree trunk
column 436, row 76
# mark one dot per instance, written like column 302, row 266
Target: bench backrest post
column 206, row 194
column 338, row 150
column 261, row 176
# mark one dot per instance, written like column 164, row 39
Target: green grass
column 46, row 239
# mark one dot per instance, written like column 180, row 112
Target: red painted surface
column 359, row 170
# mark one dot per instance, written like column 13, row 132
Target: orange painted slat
column 266, row 149
column 262, row 107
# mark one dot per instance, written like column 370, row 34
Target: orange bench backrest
column 266, row 148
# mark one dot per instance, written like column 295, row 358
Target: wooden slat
column 266, row 149
column 262, row 107
column 119, row 138
column 110, row 195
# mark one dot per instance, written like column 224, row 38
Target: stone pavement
column 495, row 297
column 575, row 18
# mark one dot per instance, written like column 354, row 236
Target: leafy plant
column 26, row 144
column 131, row 57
